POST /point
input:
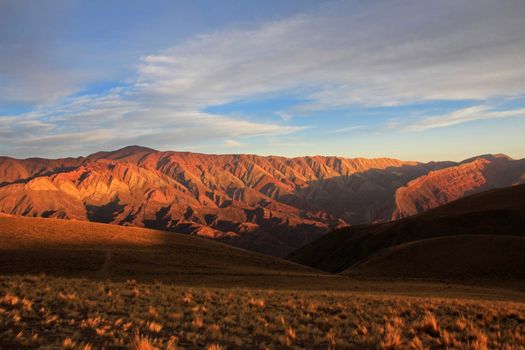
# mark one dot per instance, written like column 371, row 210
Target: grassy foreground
column 50, row 312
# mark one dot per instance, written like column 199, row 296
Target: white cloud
column 31, row 68
column 348, row 129
column 463, row 115
column 86, row 123
column 353, row 53
column 233, row 144
column 371, row 53
column 284, row 116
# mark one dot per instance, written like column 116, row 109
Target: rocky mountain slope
column 267, row 204
column 448, row 184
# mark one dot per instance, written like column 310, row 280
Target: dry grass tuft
column 214, row 347
column 417, row 344
column 331, row 336
column 461, row 324
column 171, row 344
column 391, row 337
column 142, row 343
column 198, row 322
column 154, row 327
column 68, row 343
column 187, row 298
column 481, row 341
column 257, row 302
column 290, row 333
column 9, row 299
column 153, row 312
column 67, row 296
column 430, row 324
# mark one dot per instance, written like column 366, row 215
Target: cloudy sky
column 421, row 80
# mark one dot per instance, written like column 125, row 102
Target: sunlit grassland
column 42, row 311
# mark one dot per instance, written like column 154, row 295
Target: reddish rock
column 446, row 185
column 269, row 204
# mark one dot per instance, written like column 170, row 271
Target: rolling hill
column 462, row 257
column 72, row 248
column 482, row 234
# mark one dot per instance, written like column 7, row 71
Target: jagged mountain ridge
column 268, row 204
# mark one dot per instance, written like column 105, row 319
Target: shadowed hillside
column 463, row 257
column 74, row 248
column 498, row 212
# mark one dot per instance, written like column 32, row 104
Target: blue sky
column 420, row 80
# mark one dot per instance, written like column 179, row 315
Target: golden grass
column 42, row 312
column 141, row 343
column 429, row 324
column 391, row 337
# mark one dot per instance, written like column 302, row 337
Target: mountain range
column 268, row 204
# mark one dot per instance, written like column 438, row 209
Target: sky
column 411, row 79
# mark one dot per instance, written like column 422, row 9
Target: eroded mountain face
column 268, row 204
column 448, row 184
